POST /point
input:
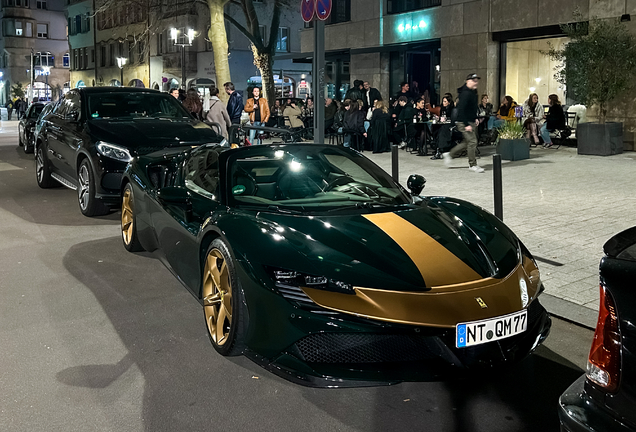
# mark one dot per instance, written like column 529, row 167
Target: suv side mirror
column 416, row 184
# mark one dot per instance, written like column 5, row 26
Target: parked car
column 39, row 122
column 92, row 133
column 605, row 397
column 313, row 262
column 26, row 126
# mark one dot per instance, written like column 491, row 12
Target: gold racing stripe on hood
column 438, row 265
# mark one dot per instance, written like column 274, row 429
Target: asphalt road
column 93, row 338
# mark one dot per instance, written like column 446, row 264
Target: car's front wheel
column 88, row 203
column 223, row 301
column 42, row 169
column 128, row 221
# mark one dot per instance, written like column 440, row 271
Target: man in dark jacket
column 405, row 91
column 355, row 92
column 466, row 122
column 404, row 130
column 234, row 104
column 370, row 95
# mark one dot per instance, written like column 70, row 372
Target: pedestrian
column 218, row 113
column 467, row 123
column 193, row 105
column 258, row 109
column 9, row 107
column 234, row 104
column 23, row 106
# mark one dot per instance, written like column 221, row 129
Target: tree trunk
column 218, row 39
column 602, row 113
column 264, row 61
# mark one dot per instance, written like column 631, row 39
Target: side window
column 60, row 108
column 202, row 173
column 73, row 101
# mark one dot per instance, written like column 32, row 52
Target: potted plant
column 599, row 66
column 511, row 143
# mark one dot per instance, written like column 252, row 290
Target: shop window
column 66, row 60
column 400, row 6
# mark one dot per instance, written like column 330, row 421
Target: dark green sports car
column 313, row 262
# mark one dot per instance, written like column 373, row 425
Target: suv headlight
column 114, row 151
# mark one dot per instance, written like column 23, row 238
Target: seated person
column 554, row 120
column 404, row 129
column 294, row 116
column 484, row 112
column 380, row 126
column 505, row 113
column 533, row 117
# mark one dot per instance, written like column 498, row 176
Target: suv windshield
column 134, row 105
column 309, row 178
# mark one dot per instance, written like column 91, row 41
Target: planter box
column 516, row 149
column 599, row 139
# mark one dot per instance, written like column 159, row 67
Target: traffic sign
column 307, row 9
column 323, row 9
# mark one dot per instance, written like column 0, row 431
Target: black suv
column 92, row 133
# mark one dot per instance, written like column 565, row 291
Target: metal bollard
column 394, row 163
column 498, row 185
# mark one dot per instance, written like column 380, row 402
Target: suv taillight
column 604, row 362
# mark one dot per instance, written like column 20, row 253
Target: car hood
column 145, row 135
column 440, row 242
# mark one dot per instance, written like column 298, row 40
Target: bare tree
column 263, row 50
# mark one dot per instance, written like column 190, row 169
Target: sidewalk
column 563, row 206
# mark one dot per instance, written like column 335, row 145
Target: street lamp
column 121, row 61
column 182, row 38
column 46, row 70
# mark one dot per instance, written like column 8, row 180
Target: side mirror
column 416, row 184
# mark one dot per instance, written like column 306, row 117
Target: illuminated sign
column 402, row 27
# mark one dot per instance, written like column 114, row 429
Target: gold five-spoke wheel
column 217, row 297
column 127, row 217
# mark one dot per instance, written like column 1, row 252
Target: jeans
column 545, row 134
column 494, row 122
column 253, row 133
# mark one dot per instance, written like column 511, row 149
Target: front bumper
column 579, row 412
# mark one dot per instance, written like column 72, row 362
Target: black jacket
column 235, row 105
column 555, row 118
column 354, row 93
column 467, row 106
column 373, row 95
column 354, row 121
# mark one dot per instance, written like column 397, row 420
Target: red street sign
column 307, row 8
column 323, row 9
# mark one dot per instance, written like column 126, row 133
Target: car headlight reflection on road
column 114, row 151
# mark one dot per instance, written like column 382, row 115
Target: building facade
column 436, row 43
column 144, row 38
column 34, row 29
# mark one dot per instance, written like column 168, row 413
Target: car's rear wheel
column 223, row 301
column 42, row 169
column 128, row 222
column 88, row 203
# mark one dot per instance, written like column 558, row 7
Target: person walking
column 9, row 107
column 218, row 113
column 467, row 123
column 234, row 104
column 258, row 109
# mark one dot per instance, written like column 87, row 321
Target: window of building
column 18, row 28
column 160, row 43
column 16, row 3
column 85, row 52
column 87, row 23
column 78, row 24
column 131, row 52
column 29, row 29
column 40, row 4
column 111, row 58
column 66, row 60
column 80, row 59
column 399, row 6
column 43, row 31
column 92, row 56
column 44, row 58
column 75, row 60
column 102, row 55
column 141, row 50
column 282, row 43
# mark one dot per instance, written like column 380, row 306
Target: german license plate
column 480, row 332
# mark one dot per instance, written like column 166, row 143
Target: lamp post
column 183, row 38
column 121, row 61
column 46, row 70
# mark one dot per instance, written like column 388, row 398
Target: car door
column 178, row 224
column 70, row 133
column 53, row 136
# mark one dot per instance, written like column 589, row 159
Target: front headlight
column 114, row 151
column 288, row 278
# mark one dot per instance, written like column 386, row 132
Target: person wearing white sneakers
column 467, row 122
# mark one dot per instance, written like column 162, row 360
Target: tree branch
column 240, row 28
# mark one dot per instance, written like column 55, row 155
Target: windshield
column 134, row 105
column 309, row 178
